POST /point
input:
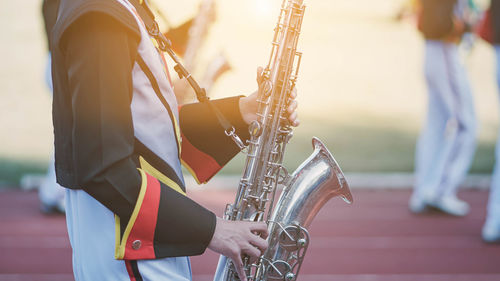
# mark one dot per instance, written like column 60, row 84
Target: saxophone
column 305, row 191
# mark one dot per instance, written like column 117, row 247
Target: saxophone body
column 305, row 191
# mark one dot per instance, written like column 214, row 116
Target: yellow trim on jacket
column 120, row 242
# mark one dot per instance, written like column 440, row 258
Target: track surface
column 373, row 240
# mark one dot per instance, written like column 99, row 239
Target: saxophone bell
column 317, row 180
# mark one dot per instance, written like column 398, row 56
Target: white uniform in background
column 446, row 146
column 51, row 194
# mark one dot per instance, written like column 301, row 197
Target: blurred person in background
column 446, row 145
column 472, row 15
column 50, row 193
column 489, row 30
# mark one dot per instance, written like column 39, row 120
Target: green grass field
column 357, row 148
column 369, row 148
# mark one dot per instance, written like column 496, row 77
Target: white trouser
column 49, row 192
column 91, row 229
column 493, row 215
column 446, row 145
column 219, row 272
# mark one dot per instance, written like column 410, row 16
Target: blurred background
column 361, row 85
column 361, row 89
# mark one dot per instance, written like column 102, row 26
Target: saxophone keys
column 290, row 276
column 280, row 270
column 293, row 238
column 255, row 129
column 267, row 87
column 301, row 242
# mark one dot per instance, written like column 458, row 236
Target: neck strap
column 165, row 45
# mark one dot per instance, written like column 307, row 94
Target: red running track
column 373, row 240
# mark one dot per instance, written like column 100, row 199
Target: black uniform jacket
column 495, row 20
column 436, row 19
column 94, row 47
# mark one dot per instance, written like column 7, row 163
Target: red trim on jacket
column 202, row 165
column 140, row 242
column 130, row 271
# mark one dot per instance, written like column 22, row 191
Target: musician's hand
column 234, row 239
column 249, row 105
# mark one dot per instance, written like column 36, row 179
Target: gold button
column 136, row 245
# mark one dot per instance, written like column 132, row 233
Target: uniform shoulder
column 71, row 10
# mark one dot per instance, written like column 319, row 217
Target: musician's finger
column 292, row 107
column 293, row 119
column 260, row 243
column 253, row 259
column 251, row 251
column 293, row 93
column 238, row 264
column 260, row 71
column 259, row 228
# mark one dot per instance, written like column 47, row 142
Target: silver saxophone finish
column 317, row 180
